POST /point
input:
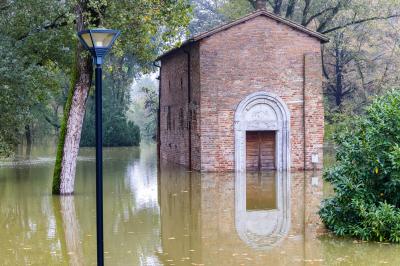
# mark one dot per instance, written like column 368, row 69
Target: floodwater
column 169, row 216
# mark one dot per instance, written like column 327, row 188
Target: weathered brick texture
column 260, row 54
column 179, row 111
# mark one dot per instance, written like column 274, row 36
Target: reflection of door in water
column 261, row 191
column 260, row 150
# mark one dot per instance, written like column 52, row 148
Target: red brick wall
column 174, row 109
column 176, row 112
column 314, row 109
column 195, row 106
column 258, row 55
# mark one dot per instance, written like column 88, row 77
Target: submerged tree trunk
column 71, row 231
column 70, row 134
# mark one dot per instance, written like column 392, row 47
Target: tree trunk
column 290, row 9
column 277, row 7
column 28, row 136
column 339, row 78
column 70, row 136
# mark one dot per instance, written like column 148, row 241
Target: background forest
column 36, row 58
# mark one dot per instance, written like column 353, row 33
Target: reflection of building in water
column 203, row 223
column 262, row 228
column 260, row 190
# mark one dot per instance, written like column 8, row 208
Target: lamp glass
column 87, row 39
column 102, row 39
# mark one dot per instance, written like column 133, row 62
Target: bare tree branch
column 355, row 22
column 324, row 70
column 306, row 9
column 329, row 19
column 56, row 23
column 51, row 122
column 322, row 12
column 290, row 8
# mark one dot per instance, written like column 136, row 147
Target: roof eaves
column 169, row 52
column 257, row 13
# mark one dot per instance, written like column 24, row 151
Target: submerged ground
column 168, row 216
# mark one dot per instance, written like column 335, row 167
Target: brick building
column 245, row 95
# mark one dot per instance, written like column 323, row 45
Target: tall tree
column 68, row 147
column 34, row 48
column 144, row 25
column 34, row 60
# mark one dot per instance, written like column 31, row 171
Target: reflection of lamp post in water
column 99, row 42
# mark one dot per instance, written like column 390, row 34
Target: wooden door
column 260, row 150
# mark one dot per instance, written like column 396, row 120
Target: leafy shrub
column 366, row 176
column 117, row 129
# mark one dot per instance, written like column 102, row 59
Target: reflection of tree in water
column 179, row 197
column 197, row 218
column 131, row 209
column 71, row 230
column 342, row 251
column 27, row 219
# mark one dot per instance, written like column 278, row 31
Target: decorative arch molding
column 263, row 111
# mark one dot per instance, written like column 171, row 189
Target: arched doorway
column 263, row 114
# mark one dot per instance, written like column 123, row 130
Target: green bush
column 117, row 129
column 366, row 176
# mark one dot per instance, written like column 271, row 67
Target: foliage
column 366, row 176
column 33, row 67
column 208, row 14
column 144, row 107
column 362, row 57
column 151, row 109
column 146, row 27
column 118, row 130
column 37, row 54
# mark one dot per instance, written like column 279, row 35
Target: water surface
column 169, row 216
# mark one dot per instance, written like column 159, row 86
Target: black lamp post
column 99, row 42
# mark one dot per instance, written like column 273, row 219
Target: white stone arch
column 261, row 111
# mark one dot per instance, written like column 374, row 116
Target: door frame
column 262, row 111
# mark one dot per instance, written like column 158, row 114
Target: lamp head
column 98, row 42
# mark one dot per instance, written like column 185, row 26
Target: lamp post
column 99, row 42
